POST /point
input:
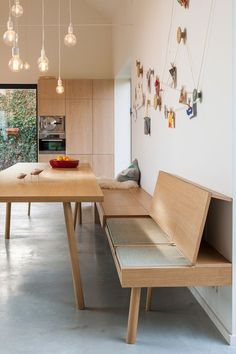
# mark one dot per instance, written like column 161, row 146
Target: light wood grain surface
column 54, row 185
column 180, row 208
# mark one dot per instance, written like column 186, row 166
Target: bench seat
column 118, row 203
column 165, row 247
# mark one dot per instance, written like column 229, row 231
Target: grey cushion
column 132, row 173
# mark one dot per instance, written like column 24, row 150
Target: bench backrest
column 180, row 208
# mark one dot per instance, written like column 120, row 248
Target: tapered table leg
column 77, row 214
column 133, row 315
column 29, row 208
column 8, row 221
column 149, row 299
column 78, row 290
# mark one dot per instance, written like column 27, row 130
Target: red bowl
column 64, row 164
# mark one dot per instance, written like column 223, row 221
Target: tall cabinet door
column 79, row 118
column 50, row 102
column 79, row 127
column 103, row 127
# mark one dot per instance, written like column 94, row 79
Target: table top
column 52, row 185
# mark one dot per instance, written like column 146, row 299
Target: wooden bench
column 167, row 249
column 134, row 202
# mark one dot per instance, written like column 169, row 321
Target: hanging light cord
column 43, row 36
column 59, row 37
column 9, row 10
column 70, row 14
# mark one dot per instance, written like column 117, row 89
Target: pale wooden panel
column 103, row 127
column 47, row 89
column 54, row 184
column 135, row 232
column 214, row 194
column 51, row 107
column 103, row 89
column 157, row 256
column 76, row 89
column 82, row 158
column 79, row 126
column 180, row 208
column 103, row 165
column 144, row 198
column 47, row 157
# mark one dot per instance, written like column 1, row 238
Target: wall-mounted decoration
column 181, row 35
column 184, row 3
column 149, row 75
column 147, row 119
column 139, row 68
column 173, row 73
column 197, row 96
column 171, row 119
column 183, row 96
column 157, row 97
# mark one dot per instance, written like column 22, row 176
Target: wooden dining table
column 52, row 185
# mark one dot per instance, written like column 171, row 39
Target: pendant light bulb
column 15, row 64
column 17, row 9
column 59, row 88
column 43, row 62
column 10, row 35
column 70, row 38
column 26, row 66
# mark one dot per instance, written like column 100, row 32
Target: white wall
column 122, row 124
column 90, row 58
column 199, row 149
column 234, row 174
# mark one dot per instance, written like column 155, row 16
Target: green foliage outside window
column 17, row 110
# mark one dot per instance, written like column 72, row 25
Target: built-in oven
column 52, row 135
column 51, row 125
column 52, row 144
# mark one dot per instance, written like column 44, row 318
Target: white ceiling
column 108, row 8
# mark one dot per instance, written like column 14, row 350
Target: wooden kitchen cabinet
column 103, row 89
column 77, row 89
column 79, row 126
column 51, row 108
column 49, row 102
column 103, row 165
column 47, row 89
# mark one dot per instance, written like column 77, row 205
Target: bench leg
column 29, row 208
column 149, row 299
column 77, row 214
column 96, row 215
column 8, row 221
column 133, row 315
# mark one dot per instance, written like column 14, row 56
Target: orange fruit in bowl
column 59, row 158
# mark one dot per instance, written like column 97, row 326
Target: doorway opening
column 18, row 124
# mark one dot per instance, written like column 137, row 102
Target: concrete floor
column 37, row 313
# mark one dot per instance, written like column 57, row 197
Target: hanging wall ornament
column 139, row 68
column 197, row 96
column 171, row 119
column 149, row 75
column 181, row 35
column 147, row 120
column 157, row 97
column 183, row 96
column 173, row 73
column 166, row 112
column 184, row 3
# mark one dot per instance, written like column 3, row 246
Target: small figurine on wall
column 173, row 73
column 184, row 3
